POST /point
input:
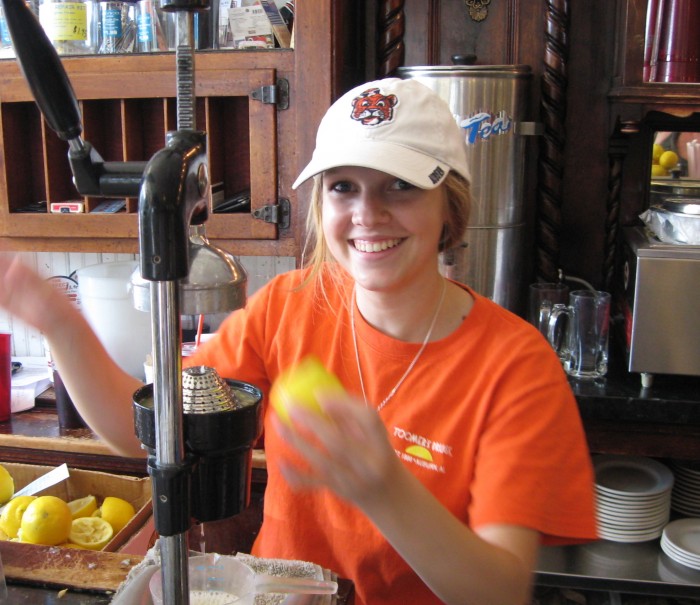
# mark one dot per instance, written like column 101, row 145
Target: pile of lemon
column 662, row 161
column 52, row 521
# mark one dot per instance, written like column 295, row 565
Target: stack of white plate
column 681, row 541
column 633, row 497
column 685, row 498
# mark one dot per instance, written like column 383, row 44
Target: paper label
column 112, row 22
column 64, row 20
column 244, row 24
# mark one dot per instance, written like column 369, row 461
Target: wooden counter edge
column 84, row 445
column 58, row 567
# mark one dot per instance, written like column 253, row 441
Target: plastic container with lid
column 107, row 302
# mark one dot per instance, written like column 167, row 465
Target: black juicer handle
column 43, row 71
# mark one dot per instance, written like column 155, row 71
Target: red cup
column 5, row 376
column 649, row 35
column 678, row 57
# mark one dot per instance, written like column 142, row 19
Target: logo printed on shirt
column 421, row 451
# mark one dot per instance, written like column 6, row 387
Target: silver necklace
column 415, row 359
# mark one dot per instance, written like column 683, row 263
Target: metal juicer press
column 201, row 445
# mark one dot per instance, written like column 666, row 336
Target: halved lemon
column 83, row 507
column 11, row 517
column 92, row 533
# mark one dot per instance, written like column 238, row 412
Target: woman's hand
column 345, row 449
column 348, row 451
column 29, row 297
column 101, row 390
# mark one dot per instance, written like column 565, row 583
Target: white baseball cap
column 397, row 126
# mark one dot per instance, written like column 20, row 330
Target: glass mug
column 542, row 298
column 579, row 333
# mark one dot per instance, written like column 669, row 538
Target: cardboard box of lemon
column 89, row 510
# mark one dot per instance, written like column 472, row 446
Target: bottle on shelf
column 146, row 26
column 71, row 25
column 117, row 26
column 6, row 50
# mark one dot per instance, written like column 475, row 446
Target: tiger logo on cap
column 372, row 108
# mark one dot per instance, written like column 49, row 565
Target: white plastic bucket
column 107, row 303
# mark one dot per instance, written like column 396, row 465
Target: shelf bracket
column 278, row 214
column 277, row 94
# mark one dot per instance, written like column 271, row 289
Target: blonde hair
column 316, row 255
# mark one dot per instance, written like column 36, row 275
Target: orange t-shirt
column 486, row 420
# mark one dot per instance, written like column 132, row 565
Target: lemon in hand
column 92, row 533
column 83, row 507
column 299, row 386
column 7, row 485
column 47, row 521
column 12, row 514
column 116, row 511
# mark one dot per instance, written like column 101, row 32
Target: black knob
column 463, row 59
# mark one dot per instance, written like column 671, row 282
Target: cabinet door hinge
column 278, row 213
column 277, row 94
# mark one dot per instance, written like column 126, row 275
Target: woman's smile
column 370, row 217
column 375, row 246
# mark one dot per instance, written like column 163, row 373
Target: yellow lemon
column 92, row 533
column 7, row 485
column 668, row 159
column 47, row 521
column 117, row 512
column 83, row 507
column 11, row 516
column 299, row 386
column 657, row 170
column 656, row 152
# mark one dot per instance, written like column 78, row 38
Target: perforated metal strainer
column 204, row 392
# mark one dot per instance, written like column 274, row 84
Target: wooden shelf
column 128, row 104
column 126, row 117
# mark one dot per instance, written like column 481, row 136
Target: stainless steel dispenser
column 489, row 102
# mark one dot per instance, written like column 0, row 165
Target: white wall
column 28, row 342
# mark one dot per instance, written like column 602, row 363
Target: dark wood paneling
column 516, row 32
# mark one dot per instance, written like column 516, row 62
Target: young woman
column 458, row 449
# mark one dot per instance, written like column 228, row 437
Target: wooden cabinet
column 125, row 118
column 259, row 108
